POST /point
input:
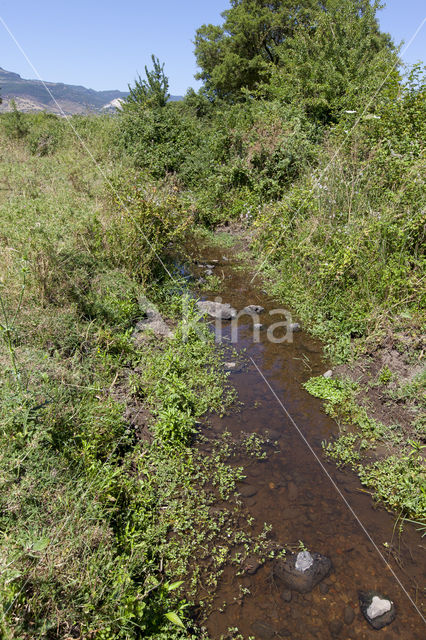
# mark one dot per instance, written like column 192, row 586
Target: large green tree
column 325, row 44
column 239, row 54
column 339, row 62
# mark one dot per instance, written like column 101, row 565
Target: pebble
column 262, row 631
column 286, row 595
column 252, row 566
column 348, row 615
column 328, row 374
column 293, row 491
column 247, row 490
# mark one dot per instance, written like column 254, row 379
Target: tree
column 320, row 47
column 340, row 61
column 152, row 92
column 241, row 53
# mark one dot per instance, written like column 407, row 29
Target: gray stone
column 378, row 610
column 247, row 490
column 252, row 566
column 295, row 327
column 210, row 266
column 324, row 588
column 348, row 615
column 285, row 572
column 304, row 561
column 234, row 367
column 262, row 630
column 253, row 309
column 222, row 311
column 209, row 272
column 328, row 374
column 286, row 595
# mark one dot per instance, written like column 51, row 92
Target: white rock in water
column 378, row 607
column 217, row 309
column 304, row 561
column 294, row 327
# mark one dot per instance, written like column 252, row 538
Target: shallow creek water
column 293, row 493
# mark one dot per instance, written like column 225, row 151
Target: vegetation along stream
column 307, row 502
column 169, row 474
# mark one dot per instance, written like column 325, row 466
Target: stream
column 294, row 492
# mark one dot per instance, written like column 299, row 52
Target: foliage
column 310, row 52
column 152, row 92
column 337, row 63
column 85, row 543
column 398, row 480
column 340, row 398
column 239, row 54
column 342, row 450
column 14, row 123
column 399, row 483
column 349, row 238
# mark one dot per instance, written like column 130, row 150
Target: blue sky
column 103, row 45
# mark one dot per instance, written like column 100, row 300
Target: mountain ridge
column 32, row 95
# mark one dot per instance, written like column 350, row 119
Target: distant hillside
column 31, row 95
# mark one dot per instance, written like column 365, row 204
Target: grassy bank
column 106, row 498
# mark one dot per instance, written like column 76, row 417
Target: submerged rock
column 252, row 566
column 247, row 490
column 220, row 310
column 301, row 572
column 335, row 628
column 253, row 309
column 262, row 630
column 286, row 595
column 348, row 615
column 378, row 610
column 295, row 327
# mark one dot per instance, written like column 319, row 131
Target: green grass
column 397, row 480
column 96, row 524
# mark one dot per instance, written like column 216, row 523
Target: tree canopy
column 294, row 42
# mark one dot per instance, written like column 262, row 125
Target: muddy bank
column 293, row 493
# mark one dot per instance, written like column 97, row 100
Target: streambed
column 293, row 493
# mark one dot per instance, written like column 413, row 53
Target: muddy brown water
column 294, row 495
